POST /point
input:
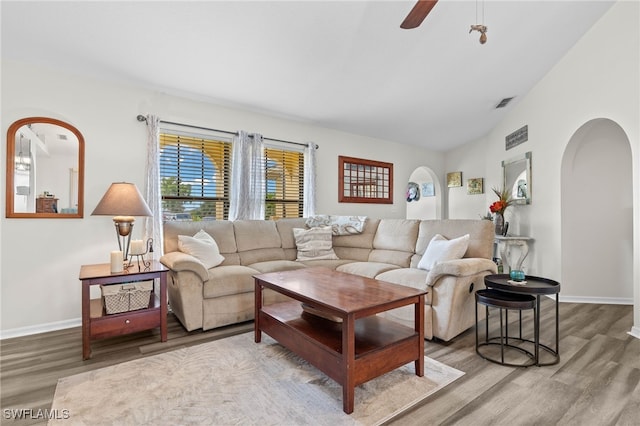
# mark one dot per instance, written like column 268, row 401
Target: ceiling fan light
column 483, row 38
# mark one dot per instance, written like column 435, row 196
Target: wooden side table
column 96, row 324
column 46, row 205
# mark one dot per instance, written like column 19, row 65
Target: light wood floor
column 597, row 381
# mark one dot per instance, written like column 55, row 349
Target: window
column 194, row 176
column 284, row 183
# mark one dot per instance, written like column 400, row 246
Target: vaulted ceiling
column 345, row 65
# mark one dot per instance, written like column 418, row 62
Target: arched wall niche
column 426, row 206
column 597, row 209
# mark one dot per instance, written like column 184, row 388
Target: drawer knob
column 127, row 321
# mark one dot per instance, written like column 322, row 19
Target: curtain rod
column 141, row 118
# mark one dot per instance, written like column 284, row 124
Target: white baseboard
column 635, row 332
column 43, row 328
column 597, row 300
column 40, row 328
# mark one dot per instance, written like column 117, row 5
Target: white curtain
column 309, row 196
column 246, row 200
column 152, row 226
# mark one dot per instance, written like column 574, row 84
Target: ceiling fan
column 422, row 8
column 418, row 13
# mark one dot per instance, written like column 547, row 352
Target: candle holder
column 140, row 257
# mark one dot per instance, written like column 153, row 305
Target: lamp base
column 124, row 228
column 123, row 224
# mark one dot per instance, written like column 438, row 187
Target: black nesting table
column 537, row 287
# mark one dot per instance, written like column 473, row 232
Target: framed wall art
column 454, row 179
column 474, row 186
column 428, row 190
column 413, row 192
column 364, row 181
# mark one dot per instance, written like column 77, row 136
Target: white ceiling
column 340, row 64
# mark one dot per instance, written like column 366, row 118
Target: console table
column 96, row 324
column 505, row 244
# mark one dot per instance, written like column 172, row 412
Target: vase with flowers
column 498, row 208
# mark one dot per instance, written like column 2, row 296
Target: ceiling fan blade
column 418, row 13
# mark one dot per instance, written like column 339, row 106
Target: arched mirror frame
column 10, row 173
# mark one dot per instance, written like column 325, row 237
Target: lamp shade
column 122, row 199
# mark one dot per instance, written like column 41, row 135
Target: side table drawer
column 125, row 323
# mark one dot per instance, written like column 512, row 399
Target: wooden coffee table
column 355, row 347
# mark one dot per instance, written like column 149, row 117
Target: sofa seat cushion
column 410, row 277
column 326, row 263
column 366, row 269
column 228, row 280
column 276, row 266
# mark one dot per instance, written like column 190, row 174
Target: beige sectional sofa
column 386, row 249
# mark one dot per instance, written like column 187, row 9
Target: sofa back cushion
column 257, row 241
column 481, row 235
column 221, row 231
column 285, row 229
column 357, row 246
column 395, row 241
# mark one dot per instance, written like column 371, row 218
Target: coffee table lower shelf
column 380, row 345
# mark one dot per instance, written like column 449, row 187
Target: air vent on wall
column 503, row 103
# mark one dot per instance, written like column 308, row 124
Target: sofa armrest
column 461, row 268
column 178, row 261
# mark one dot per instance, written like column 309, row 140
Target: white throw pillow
column 203, row 247
column 440, row 249
column 314, row 243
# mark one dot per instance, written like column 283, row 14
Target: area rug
column 235, row 381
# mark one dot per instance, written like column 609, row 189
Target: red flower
column 504, row 201
column 498, row 207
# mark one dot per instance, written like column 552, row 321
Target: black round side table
column 535, row 286
column 505, row 301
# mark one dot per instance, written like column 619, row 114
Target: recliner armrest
column 461, row 268
column 179, row 261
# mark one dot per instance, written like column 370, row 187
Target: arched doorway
column 429, row 203
column 597, row 214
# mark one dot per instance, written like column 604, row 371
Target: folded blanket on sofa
column 340, row 225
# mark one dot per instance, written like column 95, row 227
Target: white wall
column 472, row 160
column 598, row 78
column 41, row 257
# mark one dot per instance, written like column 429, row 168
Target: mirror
column 364, row 181
column 517, row 176
column 45, row 169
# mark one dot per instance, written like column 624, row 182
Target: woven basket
column 126, row 297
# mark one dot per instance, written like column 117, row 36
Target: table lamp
column 123, row 201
